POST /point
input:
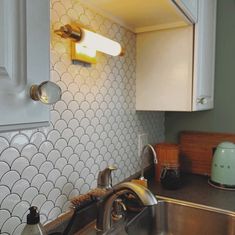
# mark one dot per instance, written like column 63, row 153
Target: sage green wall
column 222, row 117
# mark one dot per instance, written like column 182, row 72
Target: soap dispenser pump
column 33, row 226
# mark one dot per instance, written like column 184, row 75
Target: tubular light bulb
column 99, row 43
column 80, row 48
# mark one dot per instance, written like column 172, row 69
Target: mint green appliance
column 223, row 166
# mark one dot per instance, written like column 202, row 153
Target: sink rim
column 195, row 205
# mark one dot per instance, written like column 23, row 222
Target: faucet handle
column 105, row 178
column 118, row 209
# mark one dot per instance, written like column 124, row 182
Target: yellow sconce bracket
column 86, row 43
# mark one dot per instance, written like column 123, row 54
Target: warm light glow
column 100, row 43
column 80, row 48
column 80, row 52
column 85, row 43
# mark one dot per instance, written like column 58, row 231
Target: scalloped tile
column 10, row 202
column 93, row 126
column 20, row 186
column 10, row 178
column 10, row 225
column 20, row 209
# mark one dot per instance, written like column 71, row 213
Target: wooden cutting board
column 196, row 150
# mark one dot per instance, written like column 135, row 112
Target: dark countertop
column 195, row 188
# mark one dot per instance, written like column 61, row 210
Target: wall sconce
column 85, row 43
column 47, row 92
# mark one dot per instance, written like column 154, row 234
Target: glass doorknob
column 47, row 92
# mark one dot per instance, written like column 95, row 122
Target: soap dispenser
column 33, row 226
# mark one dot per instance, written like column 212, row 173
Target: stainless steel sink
column 173, row 217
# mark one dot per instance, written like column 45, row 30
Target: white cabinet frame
column 24, row 60
column 189, row 8
column 176, row 67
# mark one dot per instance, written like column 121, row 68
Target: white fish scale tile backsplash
column 93, row 126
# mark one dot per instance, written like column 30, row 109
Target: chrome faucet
column 104, row 178
column 103, row 222
column 148, row 146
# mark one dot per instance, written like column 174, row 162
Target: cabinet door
column 24, row 60
column 204, row 56
column 189, row 8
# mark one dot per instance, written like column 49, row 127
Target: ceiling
column 139, row 17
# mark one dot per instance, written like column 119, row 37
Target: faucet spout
column 148, row 146
column 141, row 192
column 103, row 222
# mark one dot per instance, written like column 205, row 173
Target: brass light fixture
column 85, row 43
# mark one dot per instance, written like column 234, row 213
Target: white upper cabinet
column 175, row 67
column 24, row 61
column 189, row 7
